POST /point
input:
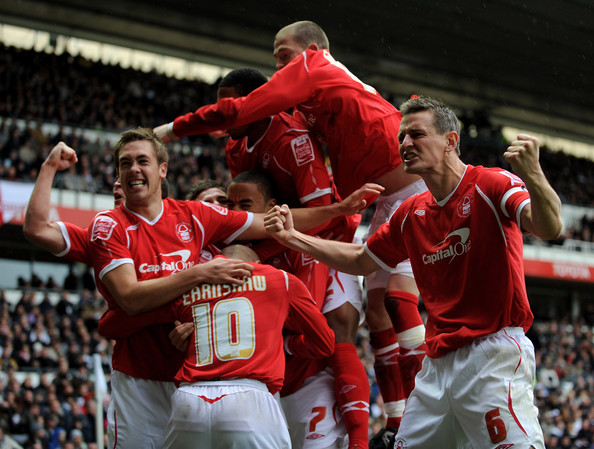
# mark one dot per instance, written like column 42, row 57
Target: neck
column 148, row 210
column 257, row 130
column 443, row 182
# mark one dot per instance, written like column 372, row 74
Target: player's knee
column 344, row 321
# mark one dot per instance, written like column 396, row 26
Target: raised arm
column 542, row 217
column 286, row 88
column 38, row 228
column 346, row 257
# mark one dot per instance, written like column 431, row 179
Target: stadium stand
column 48, row 330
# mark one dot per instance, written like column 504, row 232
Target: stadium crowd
column 57, row 341
column 45, row 87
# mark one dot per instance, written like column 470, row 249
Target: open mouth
column 408, row 156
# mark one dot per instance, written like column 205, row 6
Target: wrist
column 170, row 132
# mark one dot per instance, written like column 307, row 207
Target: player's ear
column 452, row 138
column 313, row 47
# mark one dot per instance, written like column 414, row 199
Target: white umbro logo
column 420, row 212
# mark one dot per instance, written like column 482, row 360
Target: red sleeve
column 115, row 323
column 509, row 190
column 76, row 243
column 316, row 339
column 287, row 87
column 220, row 224
column 386, row 245
column 106, row 246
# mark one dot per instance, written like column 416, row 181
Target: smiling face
column 140, row 173
column 422, row 148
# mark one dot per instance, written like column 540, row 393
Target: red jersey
column 238, row 330
column 466, row 254
column 291, row 157
column 76, row 243
column 295, row 161
column 170, row 243
column 358, row 126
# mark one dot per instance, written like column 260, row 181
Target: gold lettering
column 195, row 294
column 186, row 297
column 206, row 291
column 259, row 283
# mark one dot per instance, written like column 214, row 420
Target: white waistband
column 231, row 382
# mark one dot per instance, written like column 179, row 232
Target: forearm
column 304, row 219
column 348, row 258
column 135, row 296
column 37, row 227
column 545, row 208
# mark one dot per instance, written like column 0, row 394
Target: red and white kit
column 467, row 249
column 145, row 363
column 238, row 337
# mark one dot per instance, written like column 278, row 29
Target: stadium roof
column 528, row 63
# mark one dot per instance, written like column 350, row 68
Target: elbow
column 129, row 307
column 553, row 232
column 556, row 231
column 31, row 233
column 329, row 349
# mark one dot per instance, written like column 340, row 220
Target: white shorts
column 479, row 396
column 239, row 413
column 343, row 288
column 138, row 412
column 313, row 415
column 385, row 207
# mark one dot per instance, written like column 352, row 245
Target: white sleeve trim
column 247, row 224
column 376, row 259
column 113, row 265
column 519, row 212
column 170, row 132
column 64, row 232
column 505, row 197
column 316, row 194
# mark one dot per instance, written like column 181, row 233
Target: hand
column 224, row 271
column 180, row 334
column 360, row 198
column 278, row 221
column 61, row 157
column 523, row 155
column 162, row 132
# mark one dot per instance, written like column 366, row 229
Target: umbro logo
column 314, row 436
column 504, row 446
column 420, row 212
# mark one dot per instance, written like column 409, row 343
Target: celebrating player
column 476, row 385
column 359, row 129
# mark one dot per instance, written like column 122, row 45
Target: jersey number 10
column 225, row 331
